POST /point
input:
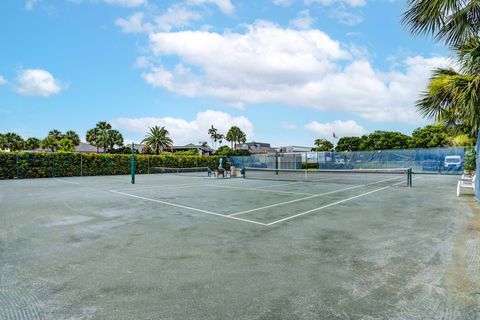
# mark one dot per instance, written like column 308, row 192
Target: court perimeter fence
column 23, row 165
column 434, row 160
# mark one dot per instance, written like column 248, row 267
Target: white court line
column 65, row 181
column 310, row 197
column 279, row 185
column 170, row 186
column 333, row 204
column 186, row 207
column 261, row 190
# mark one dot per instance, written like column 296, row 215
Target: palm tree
column 213, row 132
column 157, row 139
column 452, row 96
column 234, row 135
column 32, row 143
column 451, row 21
column 73, row 136
column 92, row 137
column 55, row 134
column 115, row 138
column 11, row 141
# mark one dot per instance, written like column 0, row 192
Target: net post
column 81, row 164
column 276, row 162
column 16, row 164
column 409, row 177
column 132, row 164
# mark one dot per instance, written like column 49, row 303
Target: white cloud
column 288, row 125
column 303, row 20
column 174, row 17
column 126, row 3
column 283, row 3
column 30, row 4
column 134, row 23
column 339, row 127
column 184, row 131
column 301, row 68
column 225, row 6
column 37, row 82
column 352, row 3
column 346, row 16
column 3, row 80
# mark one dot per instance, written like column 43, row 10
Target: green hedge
column 24, row 165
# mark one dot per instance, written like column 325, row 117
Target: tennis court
column 271, row 247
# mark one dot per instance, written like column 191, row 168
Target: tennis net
column 345, row 176
column 193, row 172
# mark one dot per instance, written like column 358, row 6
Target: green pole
column 81, row 165
column 16, row 164
column 53, row 165
column 132, row 164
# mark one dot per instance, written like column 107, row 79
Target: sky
column 284, row 71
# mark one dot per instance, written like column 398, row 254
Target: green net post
column 132, row 164
column 16, row 165
column 81, row 165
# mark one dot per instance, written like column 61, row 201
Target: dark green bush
column 470, row 159
column 67, row 164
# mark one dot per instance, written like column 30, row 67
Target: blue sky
column 285, row 71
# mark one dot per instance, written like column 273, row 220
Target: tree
column 73, row 136
column 236, row 135
column 384, row 140
column 55, row 134
column 115, row 139
column 203, row 144
column 452, row 21
column 50, row 142
column 66, row 145
column 92, row 137
column 157, row 139
column 32, row 143
column 431, row 136
column 11, row 141
column 104, row 136
column 348, row 144
column 452, row 97
column 322, row 145
column 463, row 140
column 213, row 132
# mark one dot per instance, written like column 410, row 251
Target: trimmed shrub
column 25, row 165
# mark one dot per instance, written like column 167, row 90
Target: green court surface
column 175, row 247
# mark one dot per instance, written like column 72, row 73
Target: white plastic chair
column 466, row 181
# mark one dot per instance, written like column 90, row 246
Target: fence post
column 53, row 165
column 132, row 164
column 81, row 165
column 16, row 165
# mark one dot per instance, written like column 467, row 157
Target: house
column 202, row 150
column 288, row 149
column 256, row 147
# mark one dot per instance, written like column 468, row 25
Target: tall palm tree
column 213, row 132
column 452, row 96
column 157, row 139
